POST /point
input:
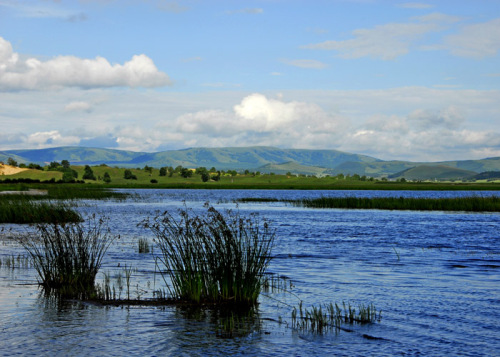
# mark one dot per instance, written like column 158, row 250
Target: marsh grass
column 15, row 262
column 110, row 290
column 67, row 257
column 73, row 192
column 331, row 317
column 468, row 204
column 471, row 203
column 23, row 210
column 144, row 246
column 216, row 257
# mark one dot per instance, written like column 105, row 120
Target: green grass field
column 267, row 181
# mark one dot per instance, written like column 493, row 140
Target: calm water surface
column 434, row 275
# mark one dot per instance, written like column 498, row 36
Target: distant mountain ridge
column 259, row 158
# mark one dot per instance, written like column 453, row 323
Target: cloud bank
column 392, row 40
column 413, row 123
column 31, row 73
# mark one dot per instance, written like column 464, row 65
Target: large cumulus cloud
column 31, row 73
column 259, row 120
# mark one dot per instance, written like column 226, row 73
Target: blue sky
column 391, row 79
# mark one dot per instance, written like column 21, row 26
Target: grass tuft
column 330, row 317
column 143, row 246
column 215, row 257
column 67, row 257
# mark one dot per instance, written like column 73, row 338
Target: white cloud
column 415, row 5
column 78, row 106
column 450, row 118
column 251, row 11
column 52, row 138
column 412, row 123
column 70, row 71
column 388, row 41
column 259, row 120
column 306, row 63
column 192, row 59
column 476, row 41
column 42, row 10
column 171, row 6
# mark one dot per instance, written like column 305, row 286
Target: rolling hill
column 434, row 172
column 260, row 158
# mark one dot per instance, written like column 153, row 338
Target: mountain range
column 263, row 159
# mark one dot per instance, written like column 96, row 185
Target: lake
column 435, row 276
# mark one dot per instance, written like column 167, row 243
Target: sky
column 396, row 80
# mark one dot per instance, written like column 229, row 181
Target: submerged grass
column 216, row 257
column 143, row 246
column 469, row 204
column 22, row 210
column 320, row 319
column 67, row 257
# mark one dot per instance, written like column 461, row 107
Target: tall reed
column 215, row 257
column 67, row 257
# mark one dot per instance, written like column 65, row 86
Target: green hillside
column 235, row 158
column 76, row 155
column 259, row 158
column 293, row 168
column 433, row 172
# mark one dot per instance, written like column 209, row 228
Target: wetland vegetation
column 468, row 204
column 214, row 257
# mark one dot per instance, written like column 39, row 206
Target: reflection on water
column 434, row 275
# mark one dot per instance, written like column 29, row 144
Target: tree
column 68, row 177
column 185, row 172
column 148, row 169
column 65, row 164
column 53, row 166
column 163, row 171
column 34, row 166
column 205, row 176
column 106, row 178
column 88, row 174
column 200, row 170
column 11, row 162
column 216, row 177
column 128, row 175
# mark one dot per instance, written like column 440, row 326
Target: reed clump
column 330, row 317
column 143, row 246
column 216, row 257
column 23, row 210
column 67, row 257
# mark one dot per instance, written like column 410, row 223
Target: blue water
column 434, row 275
